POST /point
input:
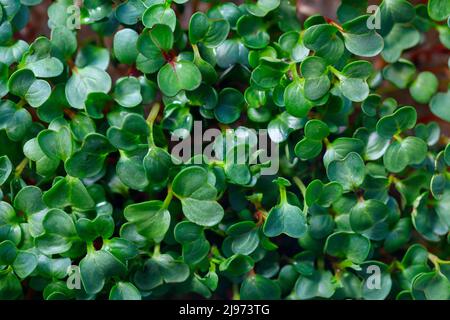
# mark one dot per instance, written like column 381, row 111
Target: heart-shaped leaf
column 349, row 172
column 176, row 76
column 351, row 246
column 197, row 196
column 24, row 84
column 152, row 220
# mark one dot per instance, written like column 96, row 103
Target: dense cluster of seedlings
column 95, row 204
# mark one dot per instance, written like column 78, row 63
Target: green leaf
column 64, row 41
column 130, row 168
column 59, row 233
column 231, row 52
column 399, row 235
column 124, row 291
column 401, row 120
column 102, row 226
column 85, row 81
column 197, row 196
column 316, row 130
column 297, row 104
column 24, row 84
column 210, row 32
column 319, row 284
column 3, row 79
column 176, row 76
column 15, row 121
column 81, row 126
column 89, row 160
column 262, row 7
column 152, row 45
column 160, row 269
column 323, row 39
column 159, row 14
column 195, row 247
column 53, row 268
column 368, row 217
column 45, row 166
column 10, row 228
column 438, row 9
column 244, row 236
column 39, row 60
column 349, row 9
column 351, row 246
column 322, row 194
column 400, row 154
column 280, row 127
column 431, row 286
column 237, row 265
column 360, row 40
column 442, row 205
column 393, row 13
column 444, row 35
column 428, row 132
column 400, row 73
column 132, row 132
column 125, row 46
column 8, row 253
column 229, row 106
column 29, row 200
column 292, row 43
column 92, row 56
column 130, row 12
column 437, row 185
column 353, row 80
column 152, row 220
column 400, row 38
column 257, row 287
column 307, row 149
column 340, row 148
column 254, row 97
column 447, row 154
column 57, row 145
column 227, row 10
column 10, row 287
column 349, row 172
column 317, row 83
column 24, row 264
column 13, row 53
column 96, row 267
column 157, row 163
column 127, row 92
column 5, row 169
column 66, row 192
column 120, row 248
column 354, row 89
column 369, row 290
column 287, row 219
column 426, row 220
column 253, row 32
column 55, row 104
column 424, row 87
column 268, row 74
column 439, row 105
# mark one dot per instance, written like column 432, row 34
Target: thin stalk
column 301, row 186
column 169, row 197
column 151, row 120
column 20, row 167
column 156, row 250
